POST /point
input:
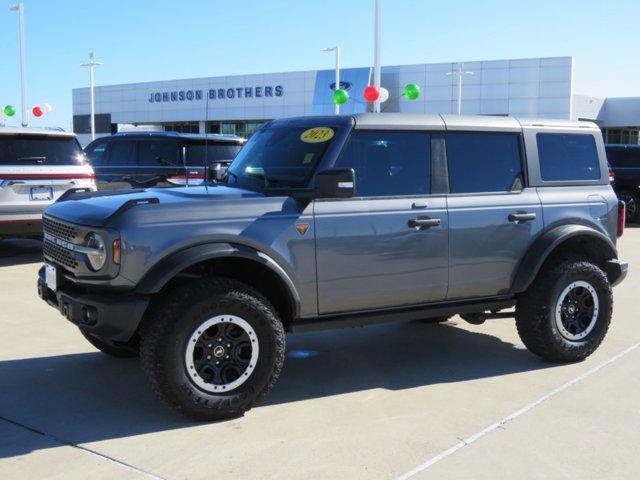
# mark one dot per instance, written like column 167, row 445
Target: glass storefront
column 242, row 129
column 622, row 136
column 184, row 127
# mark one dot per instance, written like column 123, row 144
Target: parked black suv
column 160, row 159
column 624, row 161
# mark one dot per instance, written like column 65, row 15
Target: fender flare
column 547, row 243
column 166, row 269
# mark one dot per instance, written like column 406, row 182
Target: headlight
column 96, row 251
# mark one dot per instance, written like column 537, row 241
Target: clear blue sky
column 146, row 40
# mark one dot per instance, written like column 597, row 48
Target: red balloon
column 37, row 112
column 371, row 93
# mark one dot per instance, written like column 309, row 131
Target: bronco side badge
column 302, row 228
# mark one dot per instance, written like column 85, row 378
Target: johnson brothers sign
column 216, row 94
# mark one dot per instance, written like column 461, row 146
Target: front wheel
column 566, row 312
column 213, row 349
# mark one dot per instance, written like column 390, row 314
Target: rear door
column 494, row 217
column 388, row 246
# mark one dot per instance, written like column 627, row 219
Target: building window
column 228, row 128
column 622, row 136
column 186, row 127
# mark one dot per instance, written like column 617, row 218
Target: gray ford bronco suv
column 326, row 222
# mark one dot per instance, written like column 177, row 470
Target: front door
column 388, row 246
column 493, row 217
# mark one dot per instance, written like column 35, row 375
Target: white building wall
column 540, row 87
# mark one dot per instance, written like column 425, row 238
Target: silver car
column 36, row 167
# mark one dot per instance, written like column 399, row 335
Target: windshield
column 280, row 157
column 39, row 150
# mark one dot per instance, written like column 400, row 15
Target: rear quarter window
column 568, row 156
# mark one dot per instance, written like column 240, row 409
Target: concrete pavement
column 376, row 402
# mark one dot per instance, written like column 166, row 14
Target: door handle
column 424, row 222
column 521, row 217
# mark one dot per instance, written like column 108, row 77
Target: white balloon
column 384, row 95
column 48, row 107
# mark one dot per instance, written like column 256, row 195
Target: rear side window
column 215, row 152
column 388, row 163
column 154, row 153
column 121, row 153
column 39, row 150
column 624, row 157
column 484, row 162
column 568, row 156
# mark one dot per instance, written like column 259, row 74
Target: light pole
column 23, row 86
column 376, row 52
column 337, row 50
column 459, row 73
column 91, row 64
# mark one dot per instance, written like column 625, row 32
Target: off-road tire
column 631, row 196
column 535, row 311
column 113, row 349
column 174, row 319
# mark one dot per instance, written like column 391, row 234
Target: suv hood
column 96, row 209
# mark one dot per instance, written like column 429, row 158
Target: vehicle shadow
column 20, row 251
column 89, row 397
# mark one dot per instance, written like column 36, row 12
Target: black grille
column 59, row 254
column 58, row 229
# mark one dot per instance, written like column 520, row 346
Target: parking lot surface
column 406, row 400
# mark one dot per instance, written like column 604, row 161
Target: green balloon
column 340, row 96
column 9, row 111
column 411, row 91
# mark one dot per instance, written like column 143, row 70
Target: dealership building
column 238, row 104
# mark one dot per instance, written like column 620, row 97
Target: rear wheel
column 213, row 349
column 566, row 312
column 632, row 205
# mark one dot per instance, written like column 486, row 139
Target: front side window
column 388, row 163
column 484, row 162
column 280, row 157
column 95, row 152
column 568, row 156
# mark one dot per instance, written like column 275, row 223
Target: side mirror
column 336, row 183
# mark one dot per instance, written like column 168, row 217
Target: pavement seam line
column 501, row 423
column 86, row 450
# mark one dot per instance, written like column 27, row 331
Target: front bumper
column 109, row 316
column 617, row 271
